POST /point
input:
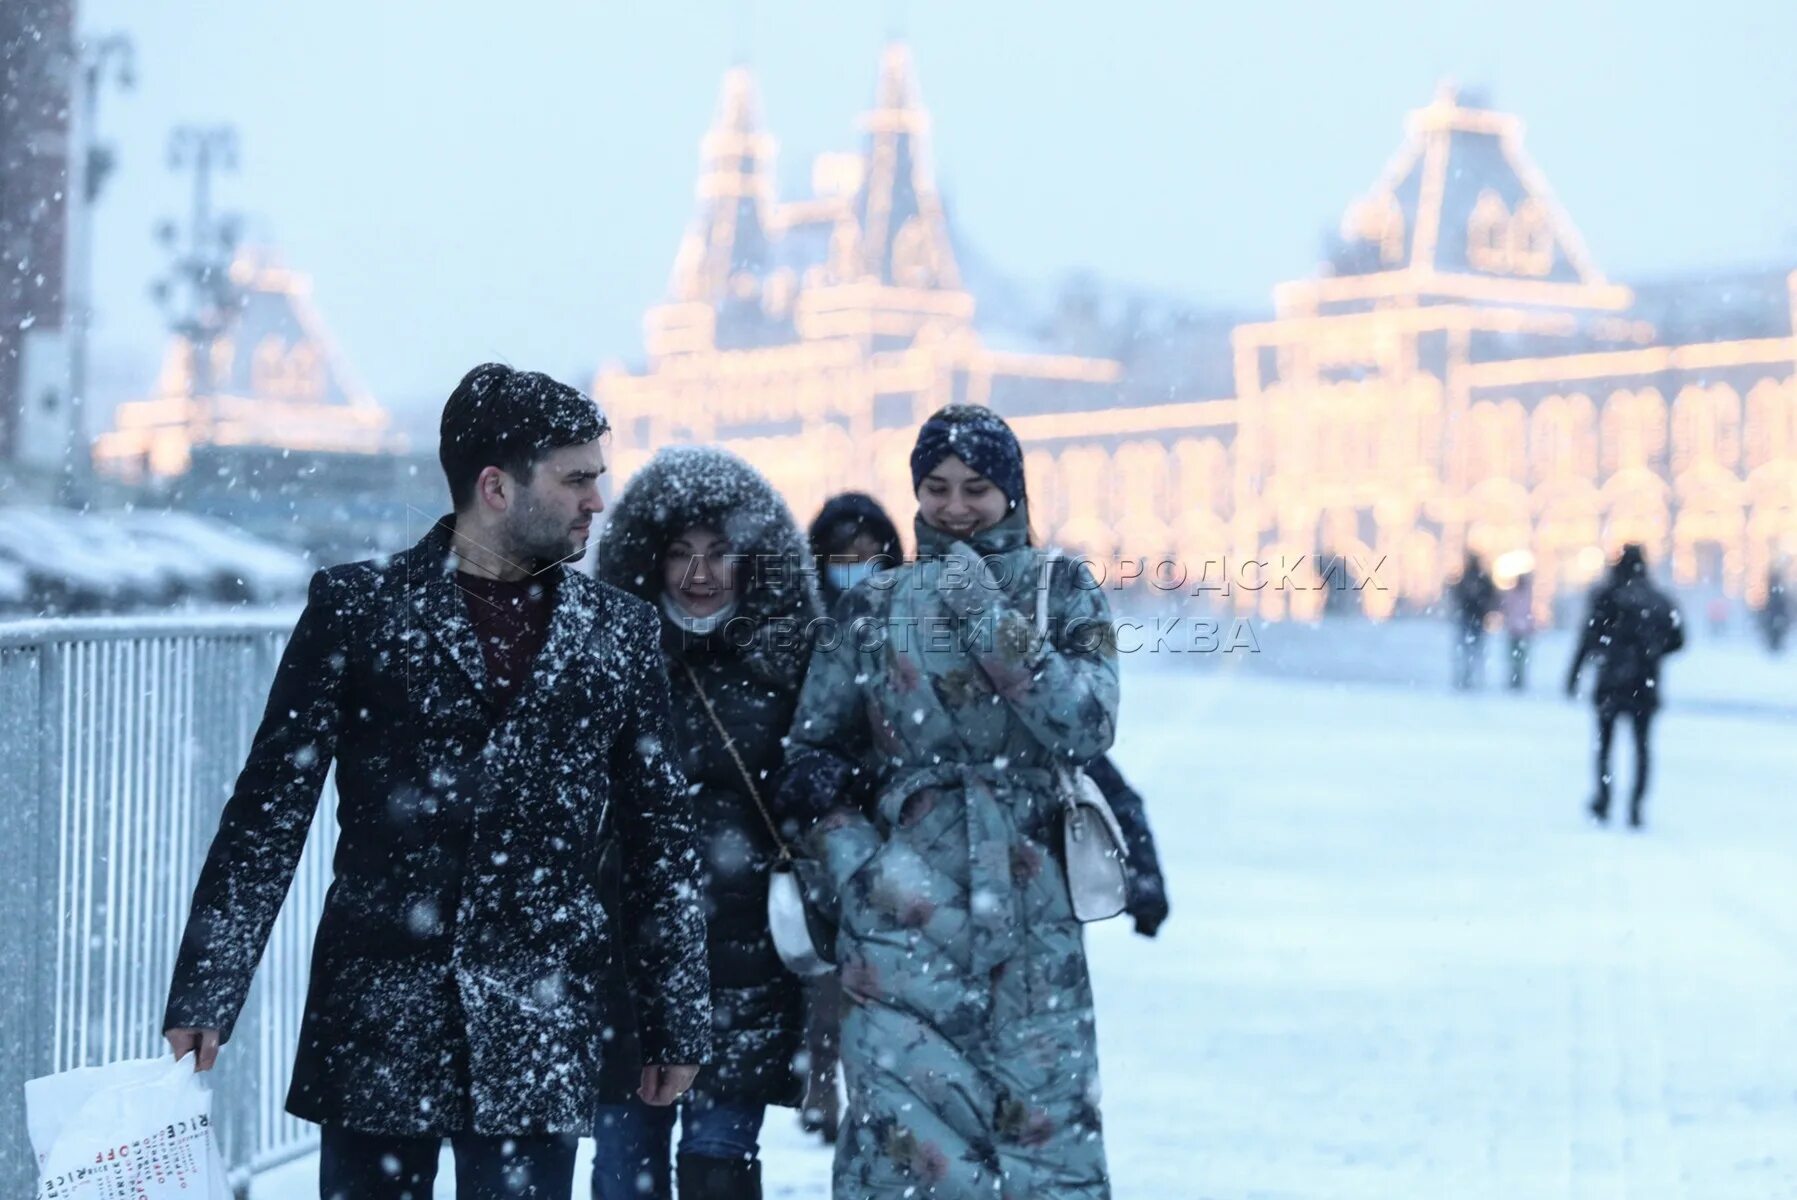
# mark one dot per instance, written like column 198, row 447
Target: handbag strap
column 1049, row 558
column 742, row 767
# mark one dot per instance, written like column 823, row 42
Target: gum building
column 1459, row 375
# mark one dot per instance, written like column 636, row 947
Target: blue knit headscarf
column 978, row 437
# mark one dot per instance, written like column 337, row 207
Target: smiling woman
column 702, row 534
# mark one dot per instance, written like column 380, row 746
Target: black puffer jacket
column 751, row 672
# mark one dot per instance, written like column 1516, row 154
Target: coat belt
column 996, row 823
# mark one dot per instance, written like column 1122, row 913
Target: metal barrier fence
column 120, row 740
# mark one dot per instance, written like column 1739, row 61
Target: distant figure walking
column 1474, row 596
column 1518, row 609
column 1775, row 616
column 1631, row 627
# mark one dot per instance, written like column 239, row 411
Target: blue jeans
column 631, row 1141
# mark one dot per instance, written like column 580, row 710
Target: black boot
column 1600, row 809
column 718, row 1178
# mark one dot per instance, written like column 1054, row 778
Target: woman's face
column 697, row 571
column 860, row 549
column 958, row 500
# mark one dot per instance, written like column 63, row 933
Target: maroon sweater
column 511, row 621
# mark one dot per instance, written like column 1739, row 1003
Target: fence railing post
column 25, row 848
column 121, row 738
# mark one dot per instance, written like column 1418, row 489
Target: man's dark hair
column 499, row 417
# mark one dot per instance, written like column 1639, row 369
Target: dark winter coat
column 457, row 978
column 1475, row 596
column 1632, row 625
column 751, row 672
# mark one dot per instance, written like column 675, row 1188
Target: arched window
column 1048, row 502
column 268, row 367
column 913, row 256
column 1142, row 477
column 1693, row 430
column 1380, row 221
column 1771, row 424
column 1488, row 234
column 1581, row 433
column 1547, row 441
column 1634, row 433
column 1498, row 440
column 1203, row 478
column 1531, row 239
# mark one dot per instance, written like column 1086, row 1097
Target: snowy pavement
column 1401, row 966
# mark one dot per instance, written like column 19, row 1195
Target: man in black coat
column 1631, row 627
column 495, row 718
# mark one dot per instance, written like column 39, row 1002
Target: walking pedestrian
column 1473, row 596
column 494, row 718
column 1517, row 606
column 851, row 538
column 1775, row 614
column 1632, row 626
column 968, row 1045
column 701, row 535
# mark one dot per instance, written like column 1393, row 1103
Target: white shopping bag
column 141, row 1129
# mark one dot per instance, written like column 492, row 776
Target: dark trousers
column 631, row 1146
column 1641, row 722
column 1519, row 661
column 366, row 1166
column 1469, row 657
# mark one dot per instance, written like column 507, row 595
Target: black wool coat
column 458, row 977
column 751, row 671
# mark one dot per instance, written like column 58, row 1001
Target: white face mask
column 843, row 576
column 697, row 626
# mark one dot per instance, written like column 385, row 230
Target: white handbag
column 1091, row 838
column 803, row 939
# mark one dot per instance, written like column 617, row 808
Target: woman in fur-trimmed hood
column 702, row 536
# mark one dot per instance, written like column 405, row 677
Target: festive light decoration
column 1461, row 376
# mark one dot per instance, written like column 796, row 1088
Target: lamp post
column 97, row 62
column 198, row 295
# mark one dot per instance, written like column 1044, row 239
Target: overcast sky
column 464, row 186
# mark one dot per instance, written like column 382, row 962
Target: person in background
column 1632, row 626
column 1775, row 615
column 1473, row 597
column 1518, row 609
column 494, row 719
column 701, row 535
column 851, row 538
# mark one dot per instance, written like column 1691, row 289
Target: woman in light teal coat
column 968, row 1045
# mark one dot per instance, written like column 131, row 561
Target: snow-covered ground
column 1400, row 965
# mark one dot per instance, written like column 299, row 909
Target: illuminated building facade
column 1460, row 376
column 813, row 336
column 267, row 428
column 271, row 380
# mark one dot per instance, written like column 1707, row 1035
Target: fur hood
column 685, row 486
